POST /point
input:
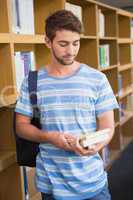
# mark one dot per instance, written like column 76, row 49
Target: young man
column 73, row 99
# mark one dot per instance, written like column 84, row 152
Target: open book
column 88, row 139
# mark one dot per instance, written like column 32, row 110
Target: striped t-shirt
column 69, row 104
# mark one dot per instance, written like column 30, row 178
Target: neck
column 59, row 70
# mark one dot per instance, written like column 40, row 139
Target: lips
column 68, row 57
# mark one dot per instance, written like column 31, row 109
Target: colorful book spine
column 24, row 62
column 25, row 56
column 104, row 55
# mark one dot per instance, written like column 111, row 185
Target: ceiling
column 125, row 4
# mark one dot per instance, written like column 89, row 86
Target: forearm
column 110, row 134
column 32, row 133
column 106, row 120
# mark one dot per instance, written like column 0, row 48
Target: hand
column 93, row 149
column 75, row 145
column 58, row 139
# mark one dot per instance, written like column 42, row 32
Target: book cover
column 89, row 139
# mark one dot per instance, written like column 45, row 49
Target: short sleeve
column 23, row 105
column 106, row 99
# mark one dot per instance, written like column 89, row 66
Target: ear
column 47, row 42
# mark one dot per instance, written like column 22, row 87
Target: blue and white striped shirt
column 69, row 104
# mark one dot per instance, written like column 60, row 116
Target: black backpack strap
column 32, row 87
column 26, row 149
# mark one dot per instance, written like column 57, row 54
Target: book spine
column 25, row 15
column 104, row 55
column 19, row 68
column 101, row 24
column 76, row 9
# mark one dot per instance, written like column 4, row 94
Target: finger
column 88, row 151
column 80, row 149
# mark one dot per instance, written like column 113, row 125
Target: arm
column 28, row 131
column 104, row 105
column 104, row 120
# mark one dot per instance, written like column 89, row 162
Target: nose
column 70, row 49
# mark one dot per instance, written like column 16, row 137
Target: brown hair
column 62, row 19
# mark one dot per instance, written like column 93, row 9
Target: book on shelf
column 19, row 69
column 24, row 62
column 92, row 138
column 131, row 53
column 131, row 28
column 130, row 102
column 28, row 61
column 122, row 108
column 23, row 16
column 119, row 84
column 15, row 16
column 104, row 55
column 101, row 24
column 76, row 9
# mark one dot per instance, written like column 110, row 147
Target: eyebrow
column 64, row 41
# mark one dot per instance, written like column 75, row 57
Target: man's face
column 65, row 47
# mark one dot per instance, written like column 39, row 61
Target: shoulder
column 41, row 73
column 93, row 74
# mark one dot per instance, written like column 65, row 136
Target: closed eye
column 63, row 44
column 76, row 43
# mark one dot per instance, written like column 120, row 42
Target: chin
column 68, row 63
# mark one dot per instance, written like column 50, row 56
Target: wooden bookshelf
column 36, row 197
column 6, row 81
column 125, row 92
column 117, row 36
column 126, row 141
column 86, row 47
column 33, row 194
column 112, row 75
column 116, row 142
column 110, row 20
column 7, row 100
column 113, row 53
column 124, row 41
column 10, row 178
column 114, row 155
column 4, row 17
column 125, row 67
column 27, row 39
column 124, row 53
column 7, row 158
column 127, row 116
column 5, row 38
column 124, row 21
column 107, row 68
